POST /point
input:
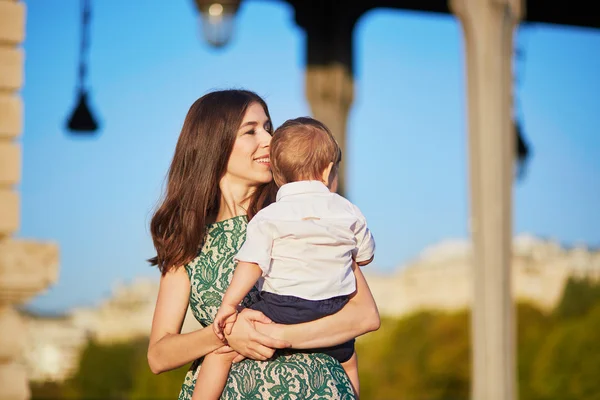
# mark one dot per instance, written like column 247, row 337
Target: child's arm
column 367, row 262
column 364, row 252
column 244, row 277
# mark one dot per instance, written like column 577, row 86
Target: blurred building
column 441, row 278
column 54, row 343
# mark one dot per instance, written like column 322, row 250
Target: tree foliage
column 423, row 356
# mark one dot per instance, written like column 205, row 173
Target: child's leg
column 213, row 376
column 351, row 368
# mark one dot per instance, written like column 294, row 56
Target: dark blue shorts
column 294, row 310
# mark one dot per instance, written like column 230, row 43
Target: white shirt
column 306, row 241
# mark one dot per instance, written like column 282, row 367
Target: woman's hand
column 272, row 330
column 250, row 343
column 227, row 349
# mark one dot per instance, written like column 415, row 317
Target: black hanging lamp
column 522, row 149
column 82, row 121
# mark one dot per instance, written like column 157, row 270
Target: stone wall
column 26, row 267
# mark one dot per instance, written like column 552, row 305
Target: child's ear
column 333, row 182
column 327, row 174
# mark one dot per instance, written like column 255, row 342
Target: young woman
column 218, row 179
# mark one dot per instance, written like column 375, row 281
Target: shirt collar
column 301, row 187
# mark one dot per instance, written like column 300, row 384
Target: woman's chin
column 264, row 178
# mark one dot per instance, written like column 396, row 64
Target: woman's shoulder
column 232, row 227
column 237, row 221
column 221, row 238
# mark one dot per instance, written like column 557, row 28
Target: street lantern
column 217, row 19
column 82, row 120
column 522, row 150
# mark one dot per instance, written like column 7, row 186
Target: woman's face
column 249, row 161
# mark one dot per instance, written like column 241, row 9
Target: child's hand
column 229, row 324
column 225, row 316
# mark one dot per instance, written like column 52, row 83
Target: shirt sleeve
column 365, row 243
column 257, row 247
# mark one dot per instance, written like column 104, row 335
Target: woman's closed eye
column 269, row 127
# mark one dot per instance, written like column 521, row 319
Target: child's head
column 304, row 149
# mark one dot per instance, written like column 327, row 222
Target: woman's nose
column 264, row 138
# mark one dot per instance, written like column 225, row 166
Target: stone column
column 329, row 65
column 12, row 30
column 330, row 92
column 488, row 27
column 25, row 267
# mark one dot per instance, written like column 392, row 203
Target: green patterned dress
column 287, row 376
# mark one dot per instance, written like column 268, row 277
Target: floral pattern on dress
column 289, row 375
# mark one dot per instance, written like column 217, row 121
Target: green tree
column 146, row 385
column 533, row 327
column 568, row 363
column 579, row 296
column 422, row 357
column 106, row 371
column 51, row 391
column 121, row 371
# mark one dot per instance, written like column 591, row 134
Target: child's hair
column 301, row 149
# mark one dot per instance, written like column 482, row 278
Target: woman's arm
column 249, row 342
column 168, row 348
column 357, row 317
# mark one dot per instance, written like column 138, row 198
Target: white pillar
column 488, row 27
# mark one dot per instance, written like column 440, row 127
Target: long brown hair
column 200, row 161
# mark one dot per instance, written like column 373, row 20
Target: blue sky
column 406, row 136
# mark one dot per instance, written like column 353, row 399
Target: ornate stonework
column 26, row 268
